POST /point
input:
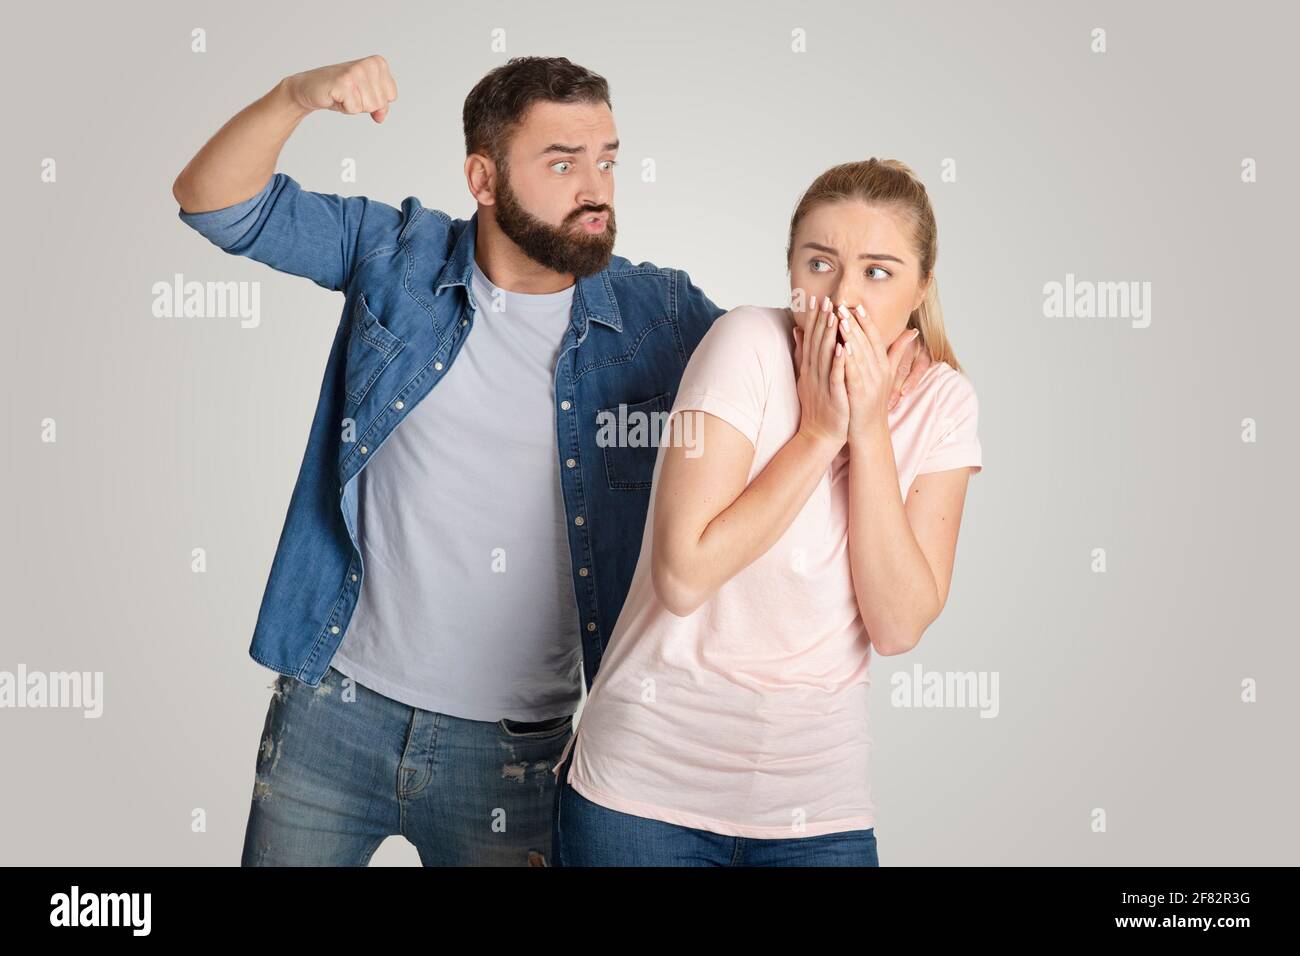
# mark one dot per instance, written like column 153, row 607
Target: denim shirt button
column 591, row 625
column 334, row 629
column 354, row 577
column 363, row 449
column 582, row 572
column 570, row 462
column 438, row 366
column 579, row 520
column 399, row 404
column 565, row 405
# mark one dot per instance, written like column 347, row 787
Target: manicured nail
column 843, row 311
column 844, row 324
column 862, row 313
column 838, row 349
column 848, row 347
column 826, row 304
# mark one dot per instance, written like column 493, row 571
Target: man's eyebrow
column 561, row 148
column 866, row 255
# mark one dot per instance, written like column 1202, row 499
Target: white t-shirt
column 467, row 605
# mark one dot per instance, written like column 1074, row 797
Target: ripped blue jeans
column 341, row 768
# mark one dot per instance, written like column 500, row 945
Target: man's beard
column 558, row 248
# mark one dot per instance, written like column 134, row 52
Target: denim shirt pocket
column 371, row 346
column 628, row 465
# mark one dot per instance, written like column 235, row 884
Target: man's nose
column 593, row 190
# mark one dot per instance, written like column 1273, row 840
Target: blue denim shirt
column 404, row 274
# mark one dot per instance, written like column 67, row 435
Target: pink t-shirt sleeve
column 957, row 440
column 727, row 374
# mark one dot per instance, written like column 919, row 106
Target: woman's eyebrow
column 866, row 255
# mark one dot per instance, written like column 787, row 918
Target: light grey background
column 1119, row 691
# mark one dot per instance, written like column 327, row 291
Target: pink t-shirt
column 749, row 716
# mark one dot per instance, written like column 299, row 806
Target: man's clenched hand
column 357, row 86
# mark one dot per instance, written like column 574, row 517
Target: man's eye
column 611, row 163
column 563, row 162
column 885, row 271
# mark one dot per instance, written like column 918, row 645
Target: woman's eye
column 885, row 271
column 818, row 262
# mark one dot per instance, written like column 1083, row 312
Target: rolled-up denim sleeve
column 319, row 236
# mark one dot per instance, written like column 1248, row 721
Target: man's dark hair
column 498, row 102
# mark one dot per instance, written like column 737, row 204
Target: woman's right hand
column 819, row 367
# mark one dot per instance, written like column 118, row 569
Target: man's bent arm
column 231, row 194
column 239, row 160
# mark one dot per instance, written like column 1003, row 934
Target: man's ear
column 481, row 177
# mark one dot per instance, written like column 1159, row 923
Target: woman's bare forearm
column 895, row 587
column 689, row 569
column 240, row 158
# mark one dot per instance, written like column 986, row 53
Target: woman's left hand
column 869, row 370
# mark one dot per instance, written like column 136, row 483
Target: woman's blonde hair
column 894, row 186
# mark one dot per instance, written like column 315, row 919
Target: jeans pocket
column 535, row 729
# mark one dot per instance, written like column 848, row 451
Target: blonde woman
column 806, row 526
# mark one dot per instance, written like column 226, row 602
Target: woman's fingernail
column 844, row 324
column 862, row 313
column 848, row 347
